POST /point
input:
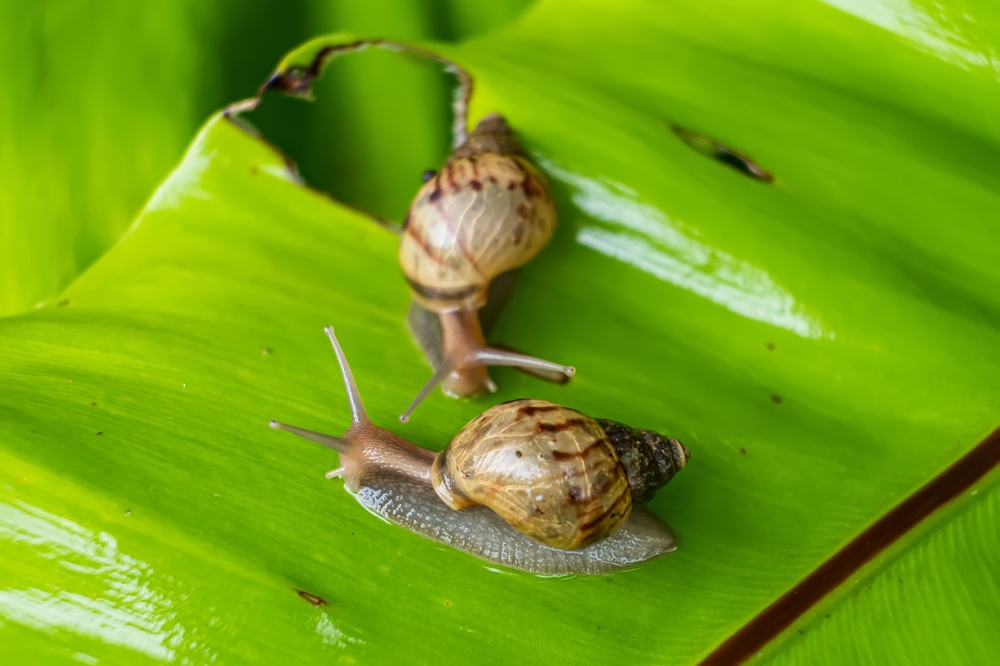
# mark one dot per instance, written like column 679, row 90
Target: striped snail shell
column 562, row 478
column 485, row 214
column 488, row 211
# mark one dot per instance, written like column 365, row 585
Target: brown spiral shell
column 550, row 471
column 487, row 212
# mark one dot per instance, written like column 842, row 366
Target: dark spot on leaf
column 447, row 602
column 100, row 433
column 723, row 154
column 776, row 399
column 430, row 173
column 64, row 302
column 128, row 512
column 770, row 346
column 254, row 170
column 800, row 631
column 93, row 404
column 318, row 602
column 743, row 451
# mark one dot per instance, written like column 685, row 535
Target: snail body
column 486, row 213
column 564, row 505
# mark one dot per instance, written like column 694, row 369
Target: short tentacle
column 338, row 444
column 484, row 356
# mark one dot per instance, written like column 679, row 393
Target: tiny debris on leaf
column 318, row 602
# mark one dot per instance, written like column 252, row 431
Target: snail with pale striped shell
column 485, row 214
column 528, row 484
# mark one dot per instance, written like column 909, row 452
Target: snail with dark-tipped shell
column 528, row 484
column 484, row 215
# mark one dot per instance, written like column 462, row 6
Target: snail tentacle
column 338, row 444
column 445, row 369
column 494, row 356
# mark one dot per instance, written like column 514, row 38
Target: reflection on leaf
column 129, row 611
column 646, row 238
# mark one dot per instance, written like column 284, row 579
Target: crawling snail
column 528, row 484
column 487, row 213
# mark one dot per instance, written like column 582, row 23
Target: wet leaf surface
column 824, row 344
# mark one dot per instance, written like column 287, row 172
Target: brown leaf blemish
column 722, row 153
column 316, row 601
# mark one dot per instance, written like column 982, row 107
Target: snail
column 484, row 215
column 528, row 484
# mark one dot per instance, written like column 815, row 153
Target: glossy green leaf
column 933, row 601
column 822, row 343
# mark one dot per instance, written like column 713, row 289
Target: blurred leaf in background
column 102, row 98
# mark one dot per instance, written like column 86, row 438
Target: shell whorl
column 492, row 134
column 487, row 212
column 650, row 459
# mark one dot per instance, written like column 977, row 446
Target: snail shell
column 488, row 211
column 560, row 477
column 393, row 479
